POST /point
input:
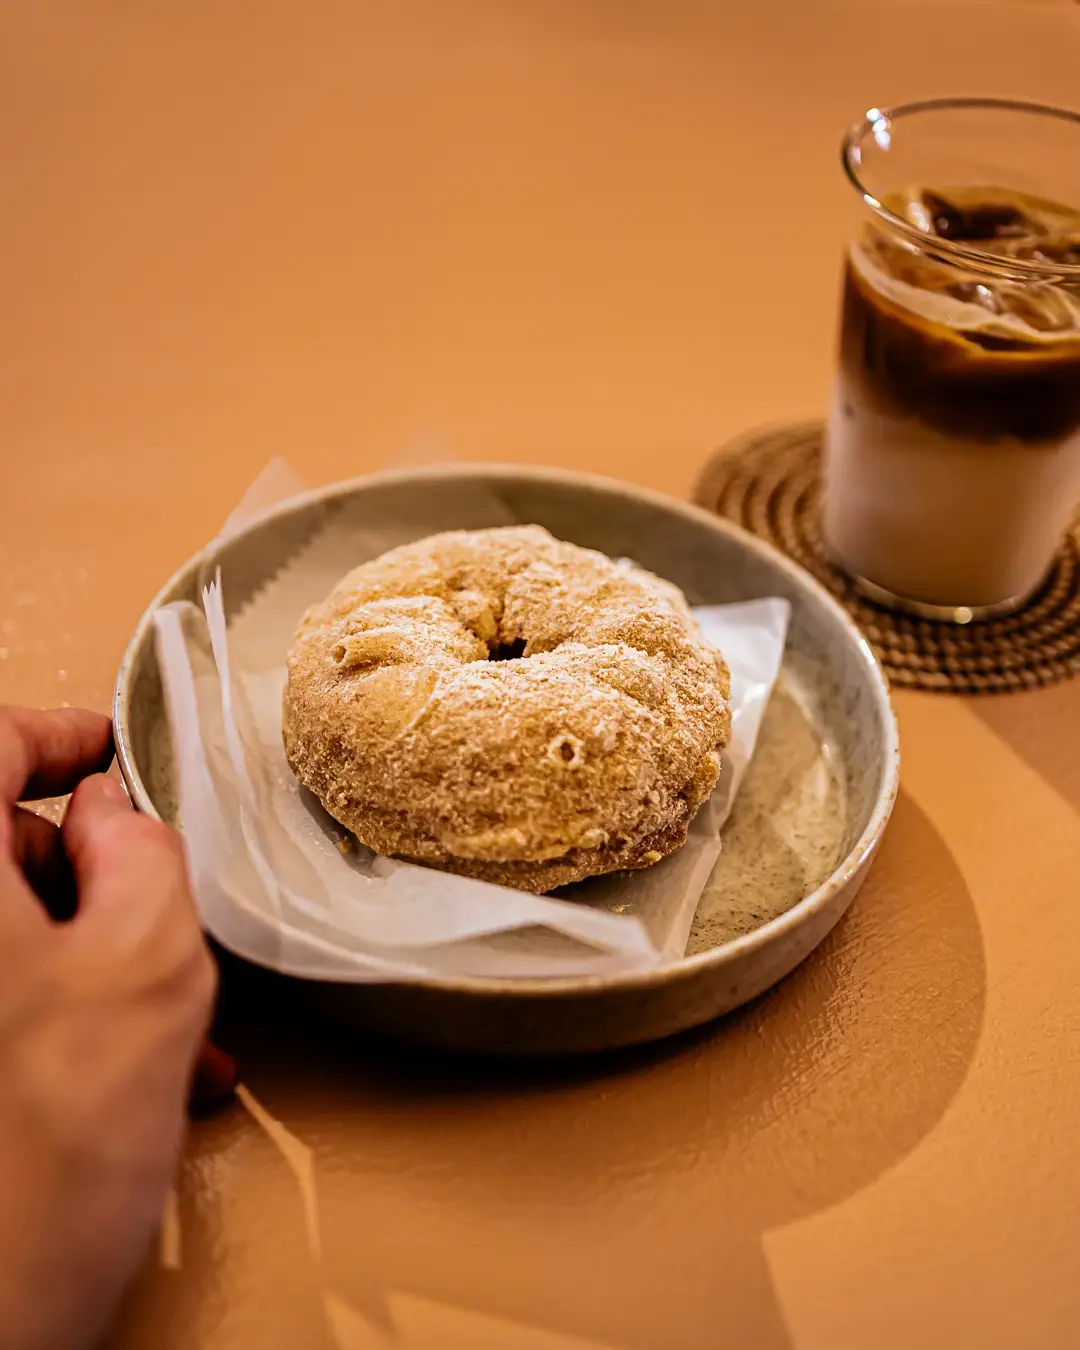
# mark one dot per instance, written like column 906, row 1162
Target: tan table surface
column 600, row 233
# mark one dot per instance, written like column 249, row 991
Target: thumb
column 120, row 858
column 134, row 903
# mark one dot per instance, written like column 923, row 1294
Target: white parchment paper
column 282, row 884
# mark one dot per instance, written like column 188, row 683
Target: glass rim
column 872, row 121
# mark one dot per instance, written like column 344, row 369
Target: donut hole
column 507, row 651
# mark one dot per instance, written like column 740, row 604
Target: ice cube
column 1058, row 248
column 977, row 221
column 1041, row 307
column 976, row 293
column 905, row 261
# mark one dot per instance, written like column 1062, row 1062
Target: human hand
column 101, row 1019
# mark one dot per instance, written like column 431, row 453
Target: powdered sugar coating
column 507, row 706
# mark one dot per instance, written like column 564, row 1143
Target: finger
column 22, row 918
column 118, row 855
column 132, row 883
column 45, row 754
column 134, row 898
column 39, row 853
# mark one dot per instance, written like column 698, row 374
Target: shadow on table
column 1037, row 726
column 618, row 1201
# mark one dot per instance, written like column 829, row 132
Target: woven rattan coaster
column 769, row 482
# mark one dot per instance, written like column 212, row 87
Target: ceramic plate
column 804, row 829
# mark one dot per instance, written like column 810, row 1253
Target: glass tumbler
column 952, row 456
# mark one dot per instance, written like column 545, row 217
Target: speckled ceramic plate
column 804, row 829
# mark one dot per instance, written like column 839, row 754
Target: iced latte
column 953, row 445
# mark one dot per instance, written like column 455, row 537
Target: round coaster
column 769, row 482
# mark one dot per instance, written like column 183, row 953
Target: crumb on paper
column 345, row 845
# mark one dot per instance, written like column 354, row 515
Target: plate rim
column 714, row 958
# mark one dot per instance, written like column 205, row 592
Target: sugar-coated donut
column 506, row 706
